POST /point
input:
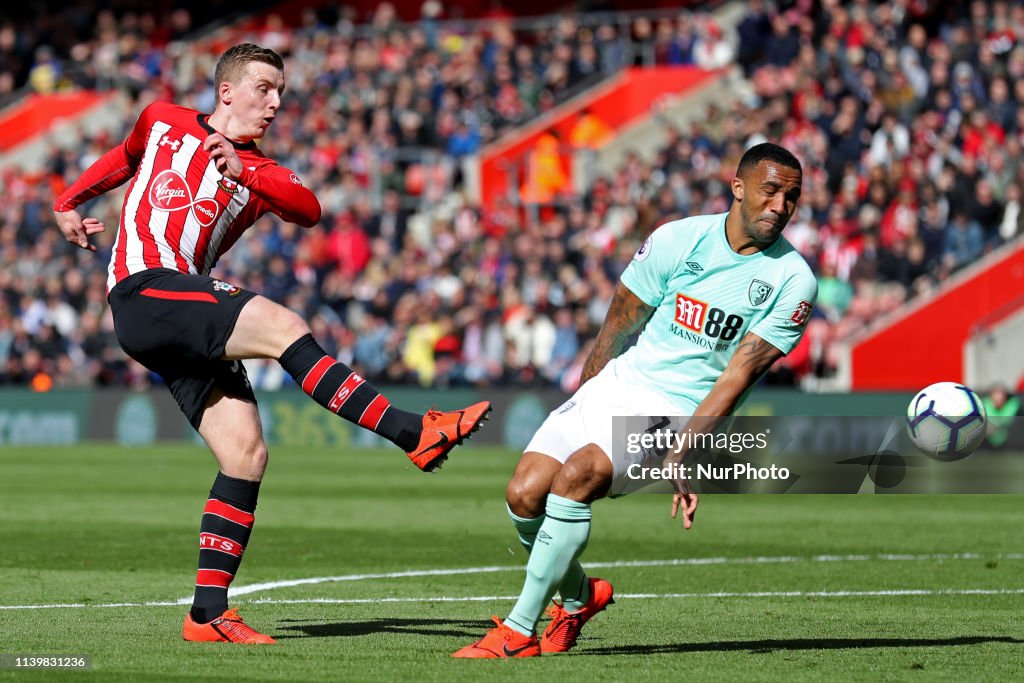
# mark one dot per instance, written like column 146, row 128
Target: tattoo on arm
column 626, row 316
column 752, row 359
column 757, row 355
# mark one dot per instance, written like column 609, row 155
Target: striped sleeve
column 109, row 171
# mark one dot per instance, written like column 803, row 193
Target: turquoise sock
column 575, row 588
column 559, row 541
column 526, row 527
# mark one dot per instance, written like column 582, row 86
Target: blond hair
column 232, row 63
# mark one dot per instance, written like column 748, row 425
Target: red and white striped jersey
column 179, row 211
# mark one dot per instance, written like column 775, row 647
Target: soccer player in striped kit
column 197, row 182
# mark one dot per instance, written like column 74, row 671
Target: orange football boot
column 227, row 628
column 501, row 642
column 564, row 629
column 444, row 431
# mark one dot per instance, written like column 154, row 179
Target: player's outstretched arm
column 626, row 316
column 109, row 171
column 752, row 359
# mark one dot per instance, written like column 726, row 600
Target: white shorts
column 587, row 418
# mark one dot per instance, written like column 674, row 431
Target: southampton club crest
column 759, row 292
column 221, row 286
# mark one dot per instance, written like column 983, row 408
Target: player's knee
column 573, row 473
column 525, row 497
column 255, row 458
column 291, row 326
column 585, row 476
column 264, row 329
column 248, row 459
column 259, row 454
column 287, row 328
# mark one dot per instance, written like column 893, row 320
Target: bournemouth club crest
column 759, row 292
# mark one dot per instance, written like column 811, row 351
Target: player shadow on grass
column 312, row 628
column 759, row 647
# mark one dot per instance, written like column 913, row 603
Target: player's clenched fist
column 223, row 154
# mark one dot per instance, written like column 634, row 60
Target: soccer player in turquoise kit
column 716, row 299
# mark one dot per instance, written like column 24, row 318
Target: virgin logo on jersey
column 169, row 192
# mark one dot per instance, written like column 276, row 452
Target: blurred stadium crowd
column 905, row 115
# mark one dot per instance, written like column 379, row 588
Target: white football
column 946, row 420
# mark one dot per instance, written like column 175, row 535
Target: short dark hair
column 232, row 63
column 767, row 151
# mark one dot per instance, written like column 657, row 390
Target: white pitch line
column 271, row 585
column 689, row 561
column 907, row 592
column 81, row 605
column 903, row 592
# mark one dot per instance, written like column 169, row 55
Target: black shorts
column 177, row 325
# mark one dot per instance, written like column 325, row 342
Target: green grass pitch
column 750, row 599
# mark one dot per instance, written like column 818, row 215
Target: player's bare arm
column 752, row 359
column 626, row 316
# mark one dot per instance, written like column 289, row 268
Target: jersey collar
column 202, row 119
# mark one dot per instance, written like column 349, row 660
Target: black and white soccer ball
column 946, row 420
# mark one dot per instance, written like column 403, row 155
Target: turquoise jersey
column 706, row 298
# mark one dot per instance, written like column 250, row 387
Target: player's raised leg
column 265, row 329
column 231, row 428
column 585, row 477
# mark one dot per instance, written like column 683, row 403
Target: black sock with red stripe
column 223, row 535
column 336, row 387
